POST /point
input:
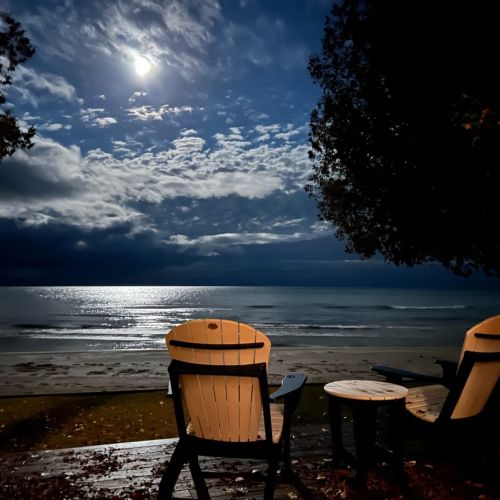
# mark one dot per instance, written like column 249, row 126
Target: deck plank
column 119, row 469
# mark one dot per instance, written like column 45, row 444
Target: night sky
column 171, row 148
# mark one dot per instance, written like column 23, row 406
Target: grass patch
column 47, row 422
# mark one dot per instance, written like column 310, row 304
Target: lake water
column 117, row 318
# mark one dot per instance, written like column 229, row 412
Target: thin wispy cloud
column 34, row 86
column 211, row 245
column 175, row 33
column 52, row 127
column 104, row 121
column 148, row 112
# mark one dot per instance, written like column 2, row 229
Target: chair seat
column 277, row 417
column 426, row 402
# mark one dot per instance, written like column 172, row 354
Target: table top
column 366, row 390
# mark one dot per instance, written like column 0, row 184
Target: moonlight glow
column 142, row 65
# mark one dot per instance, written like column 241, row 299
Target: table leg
column 364, row 420
column 397, row 435
column 336, row 430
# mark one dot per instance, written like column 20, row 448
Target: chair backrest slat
column 481, row 338
column 249, row 389
column 226, row 408
column 477, row 390
column 230, row 335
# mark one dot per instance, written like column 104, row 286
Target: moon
column 142, row 65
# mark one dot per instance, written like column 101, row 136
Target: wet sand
column 83, row 372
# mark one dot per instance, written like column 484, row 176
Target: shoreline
column 47, row 373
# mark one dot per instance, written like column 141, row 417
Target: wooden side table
column 364, row 397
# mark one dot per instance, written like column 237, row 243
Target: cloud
column 287, row 133
column 287, row 223
column 51, row 183
column 27, row 117
column 150, row 113
column 52, row 127
column 239, row 239
column 122, row 147
column 188, row 131
column 212, row 244
column 98, row 189
column 104, row 121
column 145, row 113
column 136, row 95
column 286, row 136
column 175, row 33
column 26, row 80
column 91, row 111
column 256, row 116
column 265, row 129
column 92, row 257
column 189, row 144
column 91, row 116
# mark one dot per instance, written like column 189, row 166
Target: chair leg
column 286, row 452
column 199, row 482
column 171, row 474
column 272, row 474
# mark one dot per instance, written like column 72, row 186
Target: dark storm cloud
column 58, row 254
column 21, row 178
column 318, row 262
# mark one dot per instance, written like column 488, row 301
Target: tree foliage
column 405, row 140
column 15, row 48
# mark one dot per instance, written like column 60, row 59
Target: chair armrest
column 447, row 364
column 291, row 384
column 449, row 370
column 396, row 375
column 291, row 387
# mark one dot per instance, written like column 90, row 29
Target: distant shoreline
column 108, row 371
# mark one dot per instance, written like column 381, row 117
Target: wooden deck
column 133, row 470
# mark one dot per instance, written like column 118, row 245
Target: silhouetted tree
column 15, row 48
column 405, row 140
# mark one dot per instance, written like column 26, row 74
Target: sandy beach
column 84, row 372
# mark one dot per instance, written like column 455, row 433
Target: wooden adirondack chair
column 222, row 407
column 467, row 386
